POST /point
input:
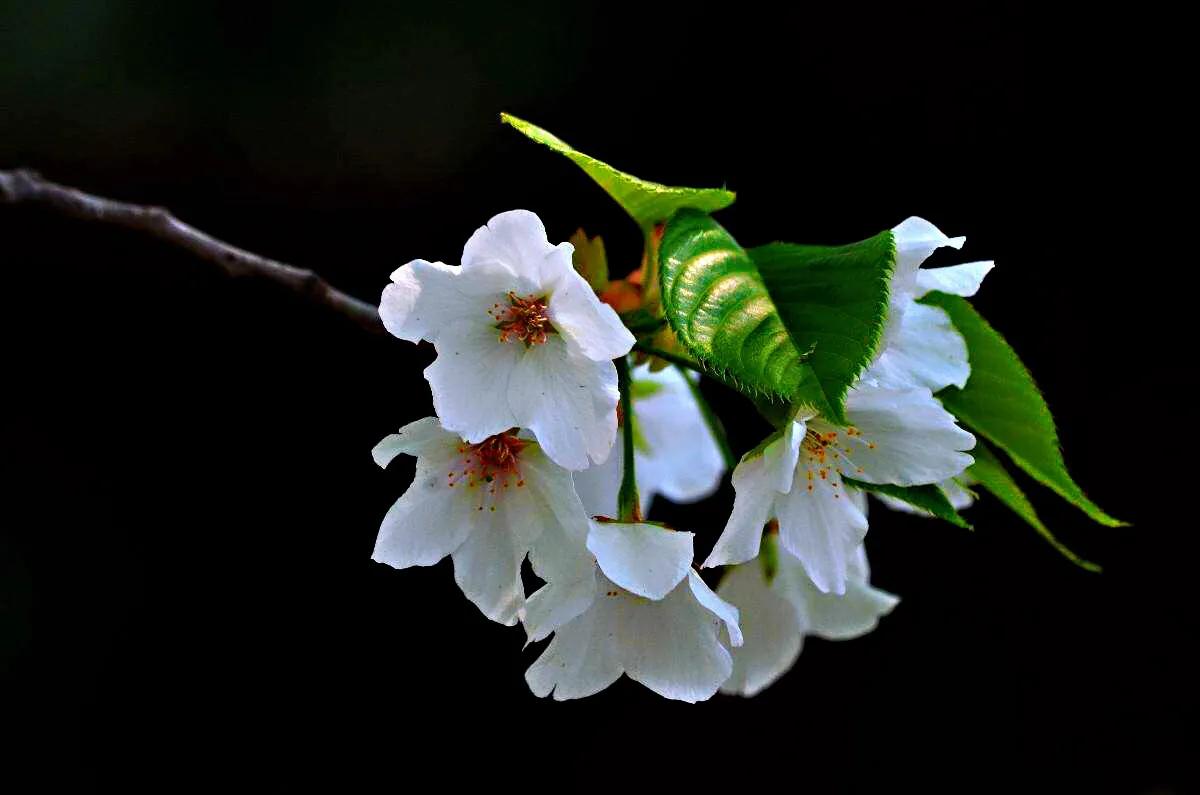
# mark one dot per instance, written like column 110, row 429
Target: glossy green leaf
column 717, row 305
column 928, row 498
column 647, row 202
column 1002, row 403
column 990, row 474
column 833, row 300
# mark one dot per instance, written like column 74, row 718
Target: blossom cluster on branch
column 520, row 462
column 870, row 367
column 565, row 400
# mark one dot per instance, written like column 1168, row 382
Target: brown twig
column 28, row 187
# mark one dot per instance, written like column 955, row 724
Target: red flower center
column 526, row 319
column 491, row 466
column 498, row 455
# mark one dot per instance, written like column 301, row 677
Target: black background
column 190, row 455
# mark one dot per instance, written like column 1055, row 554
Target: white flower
column 920, row 345
column 483, row 504
column 522, row 340
column 777, row 612
column 674, row 450
column 902, row 437
column 638, row 609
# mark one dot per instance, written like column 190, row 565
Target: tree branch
column 28, row 187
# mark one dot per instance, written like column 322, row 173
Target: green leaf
column 833, row 300
column 647, row 202
column 1002, row 403
column 928, row 498
column 989, row 473
column 719, row 308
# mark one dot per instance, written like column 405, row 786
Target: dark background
column 189, row 456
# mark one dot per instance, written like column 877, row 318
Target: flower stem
column 628, row 505
column 715, row 426
column 673, row 358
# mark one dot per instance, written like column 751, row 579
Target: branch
column 28, row 187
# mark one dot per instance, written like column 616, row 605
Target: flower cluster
column 521, row 462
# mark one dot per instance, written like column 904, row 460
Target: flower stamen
column 825, row 452
column 491, row 465
column 526, row 319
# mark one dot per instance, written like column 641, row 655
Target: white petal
column 915, row 240
column 926, row 351
column 771, row 627
column 832, row 616
column 531, row 509
column 583, row 658
column 781, row 456
column 487, row 567
column 590, row 326
column 852, row 615
column 557, row 603
column 822, row 528
column 428, row 522
column 857, row 567
column 508, row 521
column 960, row 498
column 426, row 297
column 915, row 440
column 470, row 378
column 961, row 280
column 643, row 558
column 559, row 557
column 517, row 240
column 680, row 458
column 560, row 553
column 567, row 400
column 599, row 485
column 414, row 439
column 859, row 498
column 672, row 646
column 727, row 613
column 753, row 505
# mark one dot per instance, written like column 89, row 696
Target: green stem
column 673, row 358
column 628, row 505
column 711, row 420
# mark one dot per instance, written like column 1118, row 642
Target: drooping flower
column 485, row 505
column 674, row 450
column 636, row 607
column 921, row 347
column 778, row 605
column 902, row 437
column 521, row 340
